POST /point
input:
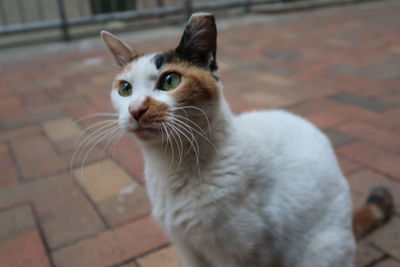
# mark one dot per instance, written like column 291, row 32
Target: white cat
column 252, row 190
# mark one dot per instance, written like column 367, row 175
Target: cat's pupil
column 169, row 79
column 125, row 88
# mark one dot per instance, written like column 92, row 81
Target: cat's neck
column 188, row 155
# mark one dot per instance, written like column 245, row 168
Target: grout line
column 133, row 177
column 15, row 206
column 132, row 220
column 92, row 203
column 131, row 260
column 75, row 241
column 52, row 144
column 387, row 176
column 373, row 168
column 153, row 250
column 375, row 262
column 15, row 163
column 70, row 243
column 42, row 234
column 147, row 253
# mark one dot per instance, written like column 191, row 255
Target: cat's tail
column 377, row 210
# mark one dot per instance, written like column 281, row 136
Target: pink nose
column 138, row 113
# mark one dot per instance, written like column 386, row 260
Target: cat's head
column 178, row 87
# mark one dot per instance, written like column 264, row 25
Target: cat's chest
column 190, row 210
column 181, row 206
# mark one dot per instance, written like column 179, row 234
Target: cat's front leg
column 189, row 257
column 329, row 248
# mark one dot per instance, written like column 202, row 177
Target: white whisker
column 172, row 150
column 86, row 140
column 196, row 149
column 202, row 135
column 91, row 127
column 162, row 136
column 191, row 135
column 114, row 146
column 180, row 148
column 109, row 142
column 100, row 114
column 103, row 151
column 104, row 135
column 192, row 122
column 82, row 144
column 195, row 108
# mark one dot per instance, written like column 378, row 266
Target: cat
column 259, row 189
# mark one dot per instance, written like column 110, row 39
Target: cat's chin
column 145, row 133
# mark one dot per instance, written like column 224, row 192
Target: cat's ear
column 199, row 41
column 122, row 53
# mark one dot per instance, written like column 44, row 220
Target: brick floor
column 388, row 263
column 62, row 132
column 24, row 250
column 119, row 199
column 16, row 220
column 7, row 170
column 361, row 182
column 167, row 257
column 373, row 157
column 338, row 68
column 388, row 238
column 113, row 246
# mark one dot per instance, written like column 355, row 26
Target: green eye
column 171, row 81
column 124, row 88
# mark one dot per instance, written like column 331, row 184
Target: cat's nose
column 138, row 113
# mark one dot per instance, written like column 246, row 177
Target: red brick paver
column 373, row 157
column 368, row 133
column 23, row 250
column 388, row 263
column 338, row 68
column 112, row 246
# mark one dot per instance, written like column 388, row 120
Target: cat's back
column 291, row 152
column 277, row 124
column 281, row 134
column 297, row 174
column 299, row 160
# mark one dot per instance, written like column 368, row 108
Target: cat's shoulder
column 280, row 126
column 278, row 117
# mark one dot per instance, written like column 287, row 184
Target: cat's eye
column 170, row 81
column 124, row 88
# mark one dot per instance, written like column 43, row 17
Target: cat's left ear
column 199, row 41
column 122, row 53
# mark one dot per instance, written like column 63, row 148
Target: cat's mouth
column 144, row 130
column 141, row 129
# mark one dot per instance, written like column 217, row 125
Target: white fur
column 271, row 193
column 143, row 75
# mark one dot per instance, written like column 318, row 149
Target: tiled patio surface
column 339, row 68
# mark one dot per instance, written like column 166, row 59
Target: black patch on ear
column 199, row 41
column 198, row 45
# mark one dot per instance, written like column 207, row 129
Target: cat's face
column 175, row 91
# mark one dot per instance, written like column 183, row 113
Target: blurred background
column 41, row 20
column 71, row 188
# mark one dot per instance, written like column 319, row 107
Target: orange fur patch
column 364, row 220
column 197, row 86
column 156, row 111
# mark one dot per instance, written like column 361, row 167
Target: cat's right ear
column 199, row 41
column 122, row 53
